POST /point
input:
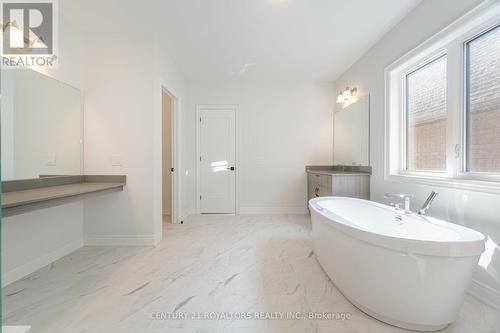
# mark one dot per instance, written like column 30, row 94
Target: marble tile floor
column 210, row 264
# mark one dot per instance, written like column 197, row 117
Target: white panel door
column 217, row 161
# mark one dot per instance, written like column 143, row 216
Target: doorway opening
column 166, row 182
column 167, row 156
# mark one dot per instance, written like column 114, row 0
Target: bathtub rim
column 455, row 248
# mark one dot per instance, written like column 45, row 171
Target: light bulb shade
column 340, row 98
column 347, row 93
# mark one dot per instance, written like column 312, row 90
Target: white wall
column 122, row 122
column 472, row 209
column 282, row 128
column 31, row 241
column 118, row 128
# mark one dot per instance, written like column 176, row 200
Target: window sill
column 448, row 182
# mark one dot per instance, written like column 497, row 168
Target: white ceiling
column 250, row 39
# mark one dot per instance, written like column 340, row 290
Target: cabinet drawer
column 351, row 186
column 319, row 191
column 324, row 191
column 320, row 180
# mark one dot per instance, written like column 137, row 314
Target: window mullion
column 403, row 133
column 454, row 105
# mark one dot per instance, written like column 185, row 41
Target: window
column 426, row 117
column 483, row 102
column 443, row 107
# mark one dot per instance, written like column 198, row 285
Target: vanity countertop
column 27, row 195
column 338, row 173
column 339, row 170
column 11, row 199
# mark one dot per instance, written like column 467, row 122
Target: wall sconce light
column 340, row 97
column 347, row 94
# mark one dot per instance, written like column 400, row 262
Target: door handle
column 230, row 168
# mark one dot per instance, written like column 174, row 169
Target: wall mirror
column 351, row 145
column 41, row 126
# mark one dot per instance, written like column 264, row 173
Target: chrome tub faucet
column 406, row 196
column 427, row 204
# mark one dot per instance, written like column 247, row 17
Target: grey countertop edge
column 338, row 173
column 58, row 180
column 28, row 195
column 339, row 169
column 61, row 194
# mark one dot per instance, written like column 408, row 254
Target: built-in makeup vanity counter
column 342, row 181
column 43, row 175
column 21, row 196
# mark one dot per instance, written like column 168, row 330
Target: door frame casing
column 176, row 102
column 217, row 107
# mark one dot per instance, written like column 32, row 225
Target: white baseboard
column 485, row 294
column 157, row 239
column 121, row 240
column 184, row 216
column 34, row 265
column 273, row 210
column 15, row 329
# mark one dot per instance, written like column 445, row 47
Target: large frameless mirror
column 41, row 126
column 351, row 145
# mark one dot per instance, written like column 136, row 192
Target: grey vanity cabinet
column 319, row 185
column 355, row 185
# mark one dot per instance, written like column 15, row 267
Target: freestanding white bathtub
column 406, row 270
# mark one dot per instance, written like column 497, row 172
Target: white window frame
column 463, row 173
column 450, row 42
column 404, row 104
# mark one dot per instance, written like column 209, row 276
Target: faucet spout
column 427, row 204
column 405, row 196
